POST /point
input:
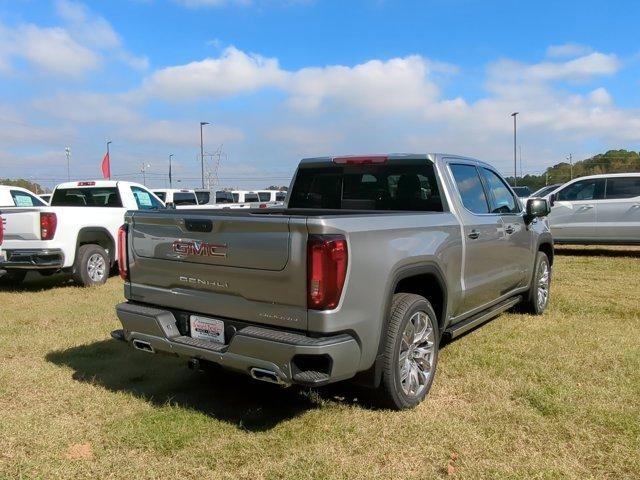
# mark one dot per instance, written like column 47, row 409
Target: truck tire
column 410, row 352
column 13, row 277
column 537, row 298
column 91, row 266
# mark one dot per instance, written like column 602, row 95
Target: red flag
column 106, row 167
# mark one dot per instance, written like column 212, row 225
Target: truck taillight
column 326, row 270
column 123, row 268
column 48, row 225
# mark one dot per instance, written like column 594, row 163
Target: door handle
column 473, row 234
column 585, row 207
column 509, row 229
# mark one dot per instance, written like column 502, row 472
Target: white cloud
column 568, row 50
column 232, row 73
column 399, row 84
column 579, row 69
column 51, row 50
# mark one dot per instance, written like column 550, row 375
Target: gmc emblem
column 198, row 248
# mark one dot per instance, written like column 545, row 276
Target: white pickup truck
column 77, row 233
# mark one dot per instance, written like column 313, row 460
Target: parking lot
column 522, row 397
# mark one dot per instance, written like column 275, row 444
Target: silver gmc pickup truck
column 371, row 262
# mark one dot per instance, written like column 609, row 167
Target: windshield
column 86, row 197
column 367, row 187
column 544, row 191
column 145, row 200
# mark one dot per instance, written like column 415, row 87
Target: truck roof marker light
column 360, row 160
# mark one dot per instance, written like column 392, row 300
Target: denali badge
column 206, row 283
column 198, row 248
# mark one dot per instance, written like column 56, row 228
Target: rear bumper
column 292, row 357
column 33, row 259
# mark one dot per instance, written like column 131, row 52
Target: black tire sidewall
column 533, row 306
column 391, row 372
column 81, row 275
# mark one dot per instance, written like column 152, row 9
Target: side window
column 144, row 199
column 236, row 197
column 23, row 199
column 582, row 190
column 623, row 187
column 470, row 188
column 500, row 197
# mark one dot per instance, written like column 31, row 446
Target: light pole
column 570, row 158
column 143, row 169
column 515, row 160
column 170, row 156
column 202, row 124
column 67, row 153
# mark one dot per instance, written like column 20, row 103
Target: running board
column 465, row 325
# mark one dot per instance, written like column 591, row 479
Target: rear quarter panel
column 379, row 247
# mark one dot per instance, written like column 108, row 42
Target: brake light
column 326, row 270
column 48, row 225
column 263, row 205
column 86, row 184
column 123, row 268
column 362, row 160
column 1, row 230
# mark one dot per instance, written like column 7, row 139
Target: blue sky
column 284, row 79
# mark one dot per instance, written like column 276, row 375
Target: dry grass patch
column 554, row 396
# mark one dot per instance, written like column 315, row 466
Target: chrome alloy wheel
column 417, row 354
column 96, row 267
column 544, row 279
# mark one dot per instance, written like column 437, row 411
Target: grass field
column 556, row 396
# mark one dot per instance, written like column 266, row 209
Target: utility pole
column 170, row 181
column 202, row 124
column 570, row 158
column 520, row 152
column 515, row 158
column 67, row 153
column 143, row 169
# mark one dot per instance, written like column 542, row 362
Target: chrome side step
column 459, row 328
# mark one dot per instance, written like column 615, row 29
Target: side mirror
column 536, row 207
column 552, row 199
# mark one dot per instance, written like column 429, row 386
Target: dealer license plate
column 207, row 329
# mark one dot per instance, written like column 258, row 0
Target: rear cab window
column 161, row 195
column 251, row 197
column 264, row 196
column 107, row 197
column 389, row 186
column 203, row 197
column 184, row 198
column 24, row 199
column 470, row 187
column 622, row 187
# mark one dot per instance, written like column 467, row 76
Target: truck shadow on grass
column 598, row 252
column 164, row 380
column 36, row 282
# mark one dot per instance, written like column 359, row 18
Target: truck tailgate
column 21, row 223
column 242, row 266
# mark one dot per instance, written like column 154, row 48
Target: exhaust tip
column 142, row 345
column 266, row 376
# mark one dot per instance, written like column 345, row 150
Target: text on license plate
column 207, row 329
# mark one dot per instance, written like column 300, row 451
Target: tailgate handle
column 198, row 225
